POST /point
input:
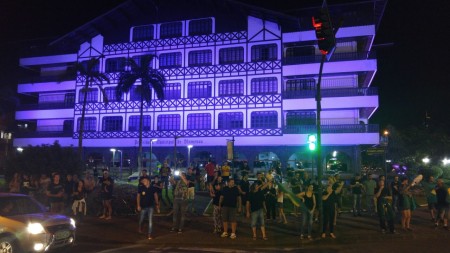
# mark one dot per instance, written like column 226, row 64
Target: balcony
column 46, row 106
column 45, row 79
column 350, row 56
column 43, row 134
column 332, row 129
column 338, row 92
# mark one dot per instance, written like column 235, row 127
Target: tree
column 150, row 79
column 88, row 69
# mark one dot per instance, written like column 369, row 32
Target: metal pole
column 151, row 157
column 121, row 158
column 319, row 143
column 175, row 150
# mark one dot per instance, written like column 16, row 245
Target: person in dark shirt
column 357, row 189
column 244, row 188
column 309, row 199
column 442, row 204
column 55, row 194
column 147, row 199
column 384, row 208
column 228, row 201
column 157, row 185
column 190, row 176
column 271, row 201
column 215, row 193
column 79, row 202
column 165, row 173
column 142, row 176
column 245, row 170
column 395, row 186
column 106, row 184
column 329, row 204
column 255, row 208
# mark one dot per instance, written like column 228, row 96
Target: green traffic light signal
column 312, row 142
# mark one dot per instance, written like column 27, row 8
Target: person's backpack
column 181, row 190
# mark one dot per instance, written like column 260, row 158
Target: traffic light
column 324, row 31
column 312, row 142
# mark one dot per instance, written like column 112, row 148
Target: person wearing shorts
column 229, row 200
column 255, row 208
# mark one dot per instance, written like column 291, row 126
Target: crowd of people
column 261, row 199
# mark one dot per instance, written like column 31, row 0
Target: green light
column 312, row 142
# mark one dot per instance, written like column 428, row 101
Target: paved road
column 355, row 234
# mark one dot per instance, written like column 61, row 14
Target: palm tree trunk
column 141, row 121
column 81, row 130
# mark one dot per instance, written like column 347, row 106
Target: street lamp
column 20, row 150
column 120, row 163
column 189, row 155
column 446, row 161
column 114, row 155
column 426, row 160
column 151, row 154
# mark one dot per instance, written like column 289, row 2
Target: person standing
column 79, row 202
column 280, row 205
column 180, row 194
column 369, row 186
column 210, row 169
column 296, row 188
column 225, row 172
column 271, row 201
column 55, row 194
column 215, row 192
column 191, row 190
column 357, row 189
column 165, row 173
column 142, row 176
column 405, row 204
column 384, row 208
column 442, row 204
column 245, row 170
column 15, row 183
column 430, row 194
column 309, row 199
column 395, row 186
column 255, row 208
column 229, row 199
column 244, row 188
column 329, row 206
column 147, row 199
column 157, row 185
column 106, row 184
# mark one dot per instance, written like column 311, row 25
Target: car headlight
column 35, row 228
column 73, row 223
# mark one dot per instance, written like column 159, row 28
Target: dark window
column 300, row 51
column 68, row 125
column 231, row 55
column 170, row 60
column 134, row 94
column 169, row 122
column 96, row 68
column 90, row 124
column 137, row 59
column 92, row 96
column 231, row 120
column 199, row 89
column 264, row 52
column 111, row 94
column 69, row 99
column 170, row 30
column 115, row 65
column 301, row 84
column 264, row 119
column 200, row 58
column 142, row 33
column 265, row 85
column 198, row 121
column 200, row 26
column 231, row 88
column 295, row 118
column 172, row 91
column 133, row 124
column 112, row 124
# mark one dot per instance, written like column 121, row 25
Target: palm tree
column 92, row 75
column 150, row 79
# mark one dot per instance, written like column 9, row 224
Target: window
column 170, row 30
column 168, row 122
column 231, row 88
column 200, row 26
column 69, row 98
column 68, row 125
column 133, row 124
column 134, row 94
column 264, row 119
column 200, row 58
column 231, row 55
column 199, row 89
column 301, row 84
column 137, row 59
column 170, row 60
column 90, row 124
column 172, row 91
column 231, row 120
column 198, row 121
column 264, row 52
column 300, row 51
column 112, row 124
column 295, row 118
column 91, row 96
column 111, row 94
column 266, row 85
column 115, row 65
column 142, row 33
column 95, row 68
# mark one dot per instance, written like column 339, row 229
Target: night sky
column 412, row 50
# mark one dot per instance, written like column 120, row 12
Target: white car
column 26, row 226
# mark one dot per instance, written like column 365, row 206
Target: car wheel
column 8, row 245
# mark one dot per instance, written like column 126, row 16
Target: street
column 354, row 234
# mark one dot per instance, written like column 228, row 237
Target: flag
column 296, row 201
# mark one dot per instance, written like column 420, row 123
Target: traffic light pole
column 319, row 144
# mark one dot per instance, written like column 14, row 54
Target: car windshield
column 18, row 205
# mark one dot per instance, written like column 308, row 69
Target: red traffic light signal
column 324, row 31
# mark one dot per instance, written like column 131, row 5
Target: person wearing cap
column 106, row 184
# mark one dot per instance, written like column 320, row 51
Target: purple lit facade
column 232, row 71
